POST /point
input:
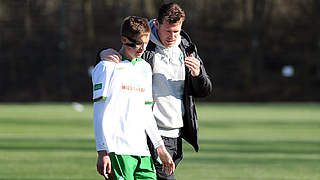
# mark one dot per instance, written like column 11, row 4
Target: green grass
column 237, row 141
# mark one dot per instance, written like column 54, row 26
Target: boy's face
column 136, row 52
column 168, row 33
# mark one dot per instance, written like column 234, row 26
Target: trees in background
column 48, row 46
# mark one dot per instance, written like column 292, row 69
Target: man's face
column 137, row 52
column 168, row 33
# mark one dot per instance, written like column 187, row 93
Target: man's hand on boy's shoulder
column 110, row 55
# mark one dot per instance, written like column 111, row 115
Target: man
column 178, row 76
column 121, row 93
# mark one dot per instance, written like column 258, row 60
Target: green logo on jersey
column 97, row 86
column 181, row 58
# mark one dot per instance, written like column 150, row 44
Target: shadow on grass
column 33, row 144
column 272, row 123
column 247, row 160
column 258, row 142
column 259, row 147
column 45, row 179
column 43, row 122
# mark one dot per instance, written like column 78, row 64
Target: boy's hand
column 103, row 164
column 166, row 160
column 110, row 55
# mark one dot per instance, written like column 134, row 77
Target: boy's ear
column 123, row 39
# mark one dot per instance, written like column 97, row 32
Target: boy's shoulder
column 104, row 66
column 103, row 63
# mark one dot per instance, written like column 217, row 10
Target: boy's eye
column 139, row 42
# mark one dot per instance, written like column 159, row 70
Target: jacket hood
column 154, row 35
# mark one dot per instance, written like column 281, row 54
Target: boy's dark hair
column 171, row 12
column 133, row 26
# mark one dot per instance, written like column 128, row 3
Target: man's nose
column 171, row 35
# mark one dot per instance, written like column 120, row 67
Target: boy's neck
column 124, row 54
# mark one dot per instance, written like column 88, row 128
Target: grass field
column 237, row 142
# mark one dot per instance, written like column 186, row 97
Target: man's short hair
column 170, row 12
column 133, row 26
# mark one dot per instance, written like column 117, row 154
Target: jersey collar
column 133, row 61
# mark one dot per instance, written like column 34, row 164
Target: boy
column 122, row 95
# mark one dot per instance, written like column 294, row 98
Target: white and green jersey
column 121, row 116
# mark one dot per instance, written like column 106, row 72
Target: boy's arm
column 103, row 160
column 152, row 131
column 98, row 110
column 99, row 80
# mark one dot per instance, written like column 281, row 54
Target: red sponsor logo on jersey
column 132, row 88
